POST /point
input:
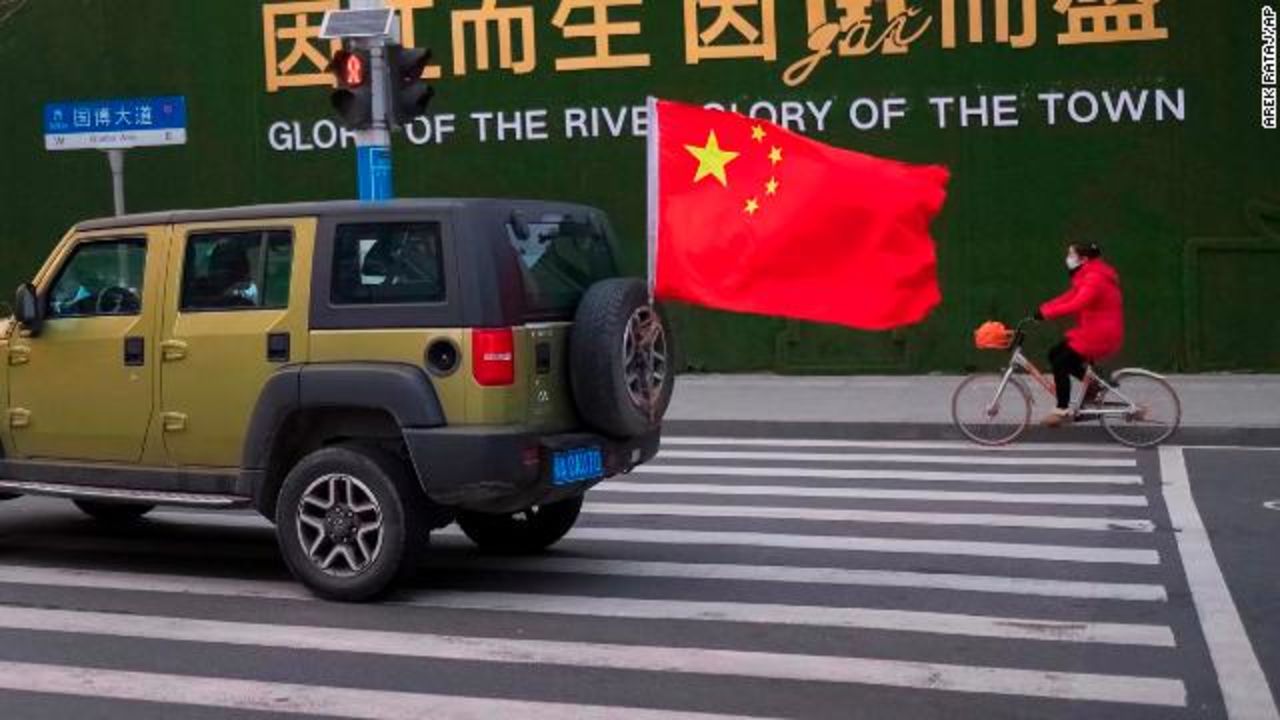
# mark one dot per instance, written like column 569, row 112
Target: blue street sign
column 115, row 124
column 373, row 172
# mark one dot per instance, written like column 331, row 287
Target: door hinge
column 19, row 355
column 173, row 350
column 19, row 418
column 173, row 421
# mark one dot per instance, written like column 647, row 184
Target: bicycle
column 1137, row 407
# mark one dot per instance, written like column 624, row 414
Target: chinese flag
column 746, row 216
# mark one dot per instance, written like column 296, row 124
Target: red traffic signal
column 350, row 68
column 353, row 98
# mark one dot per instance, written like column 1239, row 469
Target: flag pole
column 651, row 163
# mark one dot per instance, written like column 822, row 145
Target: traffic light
column 353, row 98
column 409, row 93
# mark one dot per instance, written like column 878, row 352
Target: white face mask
column 1074, row 261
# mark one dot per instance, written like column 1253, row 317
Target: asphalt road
column 734, row 577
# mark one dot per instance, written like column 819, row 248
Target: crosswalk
column 733, row 577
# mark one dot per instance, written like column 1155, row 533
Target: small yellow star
column 753, row 205
column 771, row 187
column 712, row 160
column 775, row 156
column 758, row 134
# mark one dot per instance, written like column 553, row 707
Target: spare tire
column 620, row 359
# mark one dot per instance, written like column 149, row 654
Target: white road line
column 734, row 663
column 1057, row 553
column 933, row 623
column 790, row 491
column 1031, row 551
column 854, row 458
column 142, row 582
column 233, row 694
column 687, row 441
column 918, row 475
column 781, row 574
column 1040, row 522
column 1244, row 685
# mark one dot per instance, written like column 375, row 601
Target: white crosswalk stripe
column 704, row 569
column 847, row 493
column 295, row 699
column 1021, row 449
column 1044, row 522
column 1029, row 551
column 599, row 655
column 920, row 475
column 917, row 459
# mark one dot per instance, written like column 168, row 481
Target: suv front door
column 83, row 389
column 235, row 311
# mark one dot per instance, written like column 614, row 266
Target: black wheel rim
column 340, row 525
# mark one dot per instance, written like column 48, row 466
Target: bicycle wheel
column 986, row 419
column 1158, row 410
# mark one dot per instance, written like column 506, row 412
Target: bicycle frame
column 1019, row 361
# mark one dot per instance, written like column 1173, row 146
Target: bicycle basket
column 993, row 336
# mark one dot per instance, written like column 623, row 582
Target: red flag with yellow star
column 748, row 217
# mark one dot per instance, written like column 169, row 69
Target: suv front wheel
column 349, row 522
column 528, row 531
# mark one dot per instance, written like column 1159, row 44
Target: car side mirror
column 27, row 308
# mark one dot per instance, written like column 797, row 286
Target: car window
column 388, row 263
column 237, row 270
column 103, row 277
column 560, row 257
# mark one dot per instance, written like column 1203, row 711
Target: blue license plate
column 569, row 467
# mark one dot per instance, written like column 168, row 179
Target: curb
column 1187, row 436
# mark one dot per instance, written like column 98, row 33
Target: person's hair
column 1086, row 250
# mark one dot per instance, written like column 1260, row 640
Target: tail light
column 493, row 357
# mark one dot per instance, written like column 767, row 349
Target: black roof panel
column 303, row 209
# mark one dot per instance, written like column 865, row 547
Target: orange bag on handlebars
column 993, row 336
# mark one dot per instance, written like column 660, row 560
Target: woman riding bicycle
column 1096, row 302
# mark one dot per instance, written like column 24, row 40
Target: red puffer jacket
column 1096, row 301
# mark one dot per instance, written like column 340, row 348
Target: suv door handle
column 173, row 350
column 135, row 352
column 173, row 422
column 19, row 355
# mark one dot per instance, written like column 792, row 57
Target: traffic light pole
column 373, row 146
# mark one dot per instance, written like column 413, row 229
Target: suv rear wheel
column 349, row 522
column 621, row 359
column 113, row 512
column 528, row 531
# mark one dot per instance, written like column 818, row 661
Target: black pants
column 1067, row 363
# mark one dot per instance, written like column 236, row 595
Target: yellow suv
column 361, row 374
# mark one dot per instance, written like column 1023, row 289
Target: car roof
column 345, row 208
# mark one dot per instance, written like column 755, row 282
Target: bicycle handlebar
column 1019, row 332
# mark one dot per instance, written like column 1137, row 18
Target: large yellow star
column 712, row 160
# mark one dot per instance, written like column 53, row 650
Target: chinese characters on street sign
column 115, row 124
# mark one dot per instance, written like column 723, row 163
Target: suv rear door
column 561, row 251
column 235, row 311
